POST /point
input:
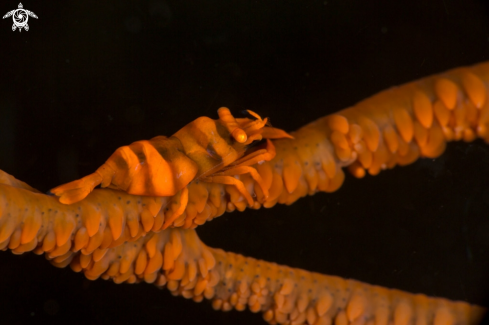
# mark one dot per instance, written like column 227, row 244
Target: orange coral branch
column 176, row 258
column 394, row 127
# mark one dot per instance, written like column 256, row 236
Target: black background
column 91, row 76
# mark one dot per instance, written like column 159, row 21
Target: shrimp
column 207, row 149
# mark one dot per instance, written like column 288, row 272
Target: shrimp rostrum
column 205, row 149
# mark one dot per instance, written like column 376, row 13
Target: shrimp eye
column 239, row 135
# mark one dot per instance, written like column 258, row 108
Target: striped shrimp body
column 206, row 149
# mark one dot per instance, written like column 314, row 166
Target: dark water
column 89, row 77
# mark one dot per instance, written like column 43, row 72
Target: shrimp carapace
column 163, row 166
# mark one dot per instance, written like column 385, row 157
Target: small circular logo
column 20, row 17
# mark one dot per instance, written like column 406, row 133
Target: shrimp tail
column 77, row 190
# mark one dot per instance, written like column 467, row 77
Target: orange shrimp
column 164, row 166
